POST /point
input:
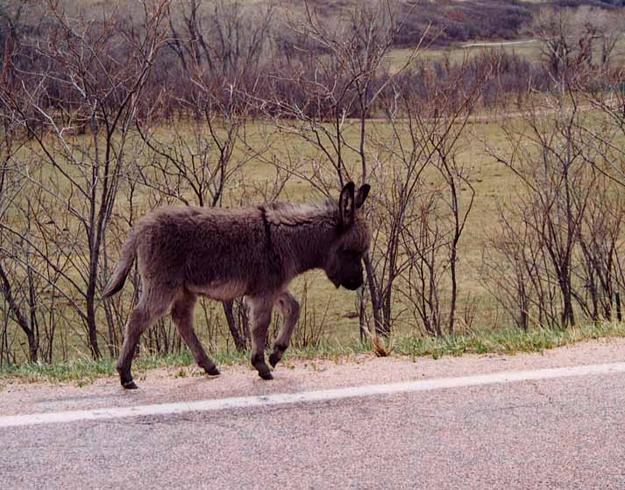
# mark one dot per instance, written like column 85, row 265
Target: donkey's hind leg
column 153, row 304
column 261, row 318
column 182, row 315
column 289, row 307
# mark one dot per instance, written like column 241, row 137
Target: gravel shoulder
column 189, row 384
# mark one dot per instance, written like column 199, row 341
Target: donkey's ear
column 361, row 195
column 346, row 204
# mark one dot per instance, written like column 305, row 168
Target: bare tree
column 220, row 51
column 19, row 300
column 329, row 93
column 82, row 65
column 423, row 217
column 571, row 37
column 559, row 235
column 600, row 247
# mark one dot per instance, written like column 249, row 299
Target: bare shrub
column 422, row 217
column 313, row 321
column 79, row 155
column 316, row 101
column 571, row 37
column 555, row 258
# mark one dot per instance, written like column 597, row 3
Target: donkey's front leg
column 289, row 307
column 260, row 309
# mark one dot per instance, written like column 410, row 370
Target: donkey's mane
column 294, row 214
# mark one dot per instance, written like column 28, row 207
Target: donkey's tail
column 129, row 252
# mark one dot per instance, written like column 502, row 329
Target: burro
column 254, row 252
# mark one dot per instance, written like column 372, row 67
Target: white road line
column 309, row 396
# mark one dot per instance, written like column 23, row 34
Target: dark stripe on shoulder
column 274, row 260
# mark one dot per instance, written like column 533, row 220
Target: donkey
column 183, row 252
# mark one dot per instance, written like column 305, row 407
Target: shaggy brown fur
column 223, row 254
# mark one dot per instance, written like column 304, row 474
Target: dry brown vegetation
column 105, row 118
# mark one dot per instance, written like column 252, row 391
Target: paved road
column 565, row 432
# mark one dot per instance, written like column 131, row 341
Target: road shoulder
column 189, row 384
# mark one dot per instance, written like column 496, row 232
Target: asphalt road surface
column 552, row 420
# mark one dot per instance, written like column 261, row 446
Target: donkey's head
column 344, row 261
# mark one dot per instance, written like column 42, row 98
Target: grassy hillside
column 450, row 22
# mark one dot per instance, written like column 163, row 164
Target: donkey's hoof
column 212, row 371
column 129, row 385
column 265, row 375
column 274, row 359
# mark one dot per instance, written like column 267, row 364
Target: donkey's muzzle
column 352, row 284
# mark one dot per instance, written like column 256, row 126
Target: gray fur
column 183, row 252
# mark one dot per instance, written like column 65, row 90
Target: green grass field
column 457, row 54
column 334, row 312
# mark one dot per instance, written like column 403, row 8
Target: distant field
column 529, row 49
column 336, row 310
